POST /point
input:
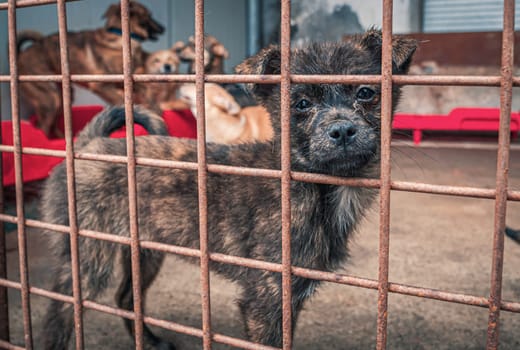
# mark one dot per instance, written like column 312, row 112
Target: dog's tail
column 513, row 234
column 113, row 118
column 28, row 35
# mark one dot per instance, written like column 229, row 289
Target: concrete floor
column 437, row 241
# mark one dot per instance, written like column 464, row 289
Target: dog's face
column 142, row 23
column 335, row 128
column 162, row 62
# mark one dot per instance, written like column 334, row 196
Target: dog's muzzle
column 342, row 133
column 167, row 68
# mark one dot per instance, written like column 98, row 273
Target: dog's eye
column 303, row 105
column 365, row 94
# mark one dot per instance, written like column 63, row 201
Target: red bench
column 459, row 119
column 37, row 167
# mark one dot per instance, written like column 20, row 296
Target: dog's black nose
column 167, row 68
column 343, row 133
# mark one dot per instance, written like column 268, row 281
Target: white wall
column 370, row 13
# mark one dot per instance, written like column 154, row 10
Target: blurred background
column 246, row 26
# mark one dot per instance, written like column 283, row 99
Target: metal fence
column 500, row 194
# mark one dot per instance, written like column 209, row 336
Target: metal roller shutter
column 465, row 15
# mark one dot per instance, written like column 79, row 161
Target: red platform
column 459, row 119
column 36, row 167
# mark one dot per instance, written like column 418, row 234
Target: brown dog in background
column 226, row 122
column 90, row 52
column 159, row 96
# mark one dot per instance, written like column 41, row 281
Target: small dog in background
column 214, row 55
column 159, row 96
column 226, row 121
column 335, row 130
column 96, row 51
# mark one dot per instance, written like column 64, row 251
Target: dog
column 159, row 96
column 335, row 129
column 90, row 52
column 214, row 55
column 226, row 121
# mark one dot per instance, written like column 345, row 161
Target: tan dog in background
column 159, row 96
column 96, row 51
column 226, row 122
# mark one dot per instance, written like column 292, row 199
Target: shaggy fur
column 335, row 129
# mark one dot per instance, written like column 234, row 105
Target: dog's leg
column 47, row 121
column 46, row 101
column 261, row 306
column 58, row 320
column 150, row 265
column 96, row 269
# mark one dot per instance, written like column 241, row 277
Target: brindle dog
column 335, row 129
column 90, row 52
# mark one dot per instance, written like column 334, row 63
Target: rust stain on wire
column 434, row 80
column 22, row 241
column 385, row 185
column 366, row 283
column 506, row 95
column 461, row 191
column 202, row 175
column 71, row 181
column 132, row 183
column 285, row 114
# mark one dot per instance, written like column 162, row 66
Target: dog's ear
column 266, row 62
column 178, row 46
column 402, row 53
column 402, row 49
column 113, row 10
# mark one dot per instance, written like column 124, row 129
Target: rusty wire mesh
column 501, row 194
